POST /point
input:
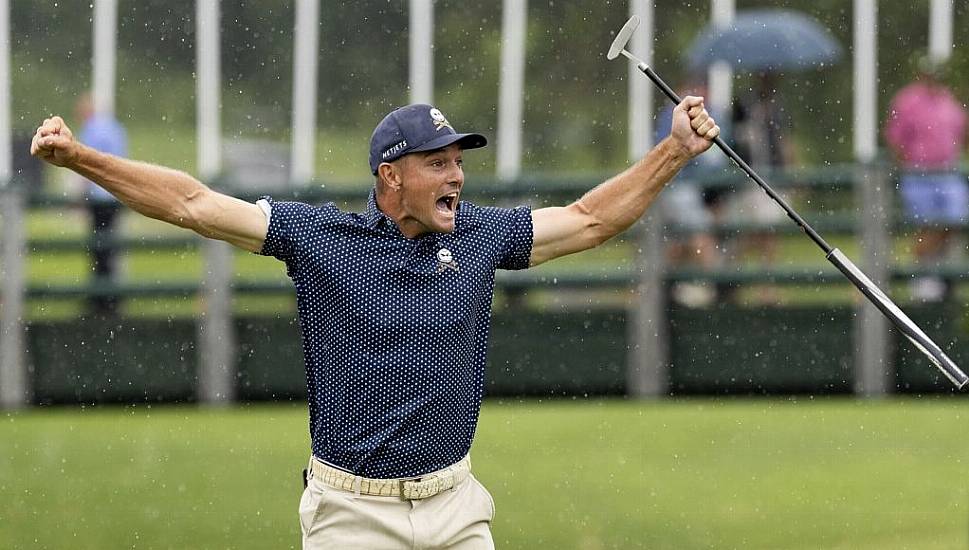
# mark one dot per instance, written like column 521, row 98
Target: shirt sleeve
column 288, row 223
column 515, row 250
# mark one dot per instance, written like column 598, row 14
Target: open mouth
column 448, row 203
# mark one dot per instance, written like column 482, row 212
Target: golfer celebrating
column 394, row 305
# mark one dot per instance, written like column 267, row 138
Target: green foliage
column 591, row 474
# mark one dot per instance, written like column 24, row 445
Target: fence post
column 216, row 337
column 872, row 354
column 216, row 333
column 14, row 384
column 647, row 330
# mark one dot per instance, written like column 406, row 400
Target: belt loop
column 357, row 482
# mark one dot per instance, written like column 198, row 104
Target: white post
column 872, row 357
column 306, row 44
column 940, row 30
column 640, row 88
column 6, row 160
column 208, row 89
column 646, row 357
column 865, row 81
column 511, row 94
column 105, row 55
column 721, row 74
column 14, row 384
column 421, row 51
column 216, row 341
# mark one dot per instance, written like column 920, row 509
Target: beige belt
column 409, row 488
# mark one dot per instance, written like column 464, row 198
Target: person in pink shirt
column 926, row 132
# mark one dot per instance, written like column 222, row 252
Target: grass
column 565, row 474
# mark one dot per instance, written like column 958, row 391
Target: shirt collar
column 375, row 219
column 373, row 215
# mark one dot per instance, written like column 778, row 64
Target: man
column 103, row 132
column 926, row 131
column 394, row 305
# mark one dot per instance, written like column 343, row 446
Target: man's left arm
column 615, row 205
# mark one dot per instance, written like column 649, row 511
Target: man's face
column 430, row 188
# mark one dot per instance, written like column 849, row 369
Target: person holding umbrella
column 761, row 128
column 766, row 43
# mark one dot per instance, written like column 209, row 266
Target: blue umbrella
column 766, row 40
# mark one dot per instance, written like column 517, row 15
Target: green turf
column 585, row 474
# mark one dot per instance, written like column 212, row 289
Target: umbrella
column 765, row 40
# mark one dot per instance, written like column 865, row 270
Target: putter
column 874, row 294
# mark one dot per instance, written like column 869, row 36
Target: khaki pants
column 458, row 518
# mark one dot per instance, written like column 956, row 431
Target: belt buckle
column 401, row 484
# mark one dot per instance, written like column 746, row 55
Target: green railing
column 650, row 316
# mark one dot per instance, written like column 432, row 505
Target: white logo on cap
column 439, row 120
column 394, row 149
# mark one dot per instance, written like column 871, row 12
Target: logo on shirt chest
column 445, row 260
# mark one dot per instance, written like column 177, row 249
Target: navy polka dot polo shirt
column 395, row 330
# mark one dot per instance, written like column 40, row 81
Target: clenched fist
column 54, row 143
column 693, row 127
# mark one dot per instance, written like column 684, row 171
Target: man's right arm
column 155, row 191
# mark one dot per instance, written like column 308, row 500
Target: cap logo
column 439, row 121
column 394, row 149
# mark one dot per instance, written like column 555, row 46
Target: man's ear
column 390, row 175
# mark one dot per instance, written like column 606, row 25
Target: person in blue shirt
column 101, row 131
column 394, row 306
column 694, row 210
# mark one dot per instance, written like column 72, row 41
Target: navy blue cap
column 414, row 128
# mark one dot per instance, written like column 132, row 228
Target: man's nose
column 455, row 174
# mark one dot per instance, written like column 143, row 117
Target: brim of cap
column 466, row 141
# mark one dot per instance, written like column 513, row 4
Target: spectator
column 103, row 132
column 761, row 128
column 926, row 131
column 685, row 204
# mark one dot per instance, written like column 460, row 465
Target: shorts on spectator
column 935, row 198
column 682, row 204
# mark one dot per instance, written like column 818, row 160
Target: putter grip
column 660, row 83
column 905, row 325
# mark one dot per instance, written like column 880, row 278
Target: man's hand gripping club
column 693, row 127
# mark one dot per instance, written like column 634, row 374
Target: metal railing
column 647, row 362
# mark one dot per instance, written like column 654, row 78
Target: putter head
column 619, row 44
